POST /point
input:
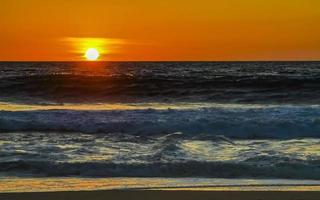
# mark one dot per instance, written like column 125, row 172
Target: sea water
column 230, row 120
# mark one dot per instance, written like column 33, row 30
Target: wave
column 288, row 170
column 172, row 155
column 244, row 122
column 79, row 88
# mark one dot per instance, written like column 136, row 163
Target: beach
column 169, row 195
column 156, row 188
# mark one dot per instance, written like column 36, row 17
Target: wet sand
column 156, row 188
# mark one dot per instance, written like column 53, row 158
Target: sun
column 92, row 54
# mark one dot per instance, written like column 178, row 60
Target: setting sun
column 92, row 54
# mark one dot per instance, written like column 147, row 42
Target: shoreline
column 160, row 195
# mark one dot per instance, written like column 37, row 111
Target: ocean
column 202, row 120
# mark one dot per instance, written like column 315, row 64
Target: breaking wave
column 244, row 123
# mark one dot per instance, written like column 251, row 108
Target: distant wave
column 261, row 82
column 265, row 122
column 80, row 88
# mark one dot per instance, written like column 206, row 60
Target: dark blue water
column 224, row 82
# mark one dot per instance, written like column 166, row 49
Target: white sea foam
column 96, row 155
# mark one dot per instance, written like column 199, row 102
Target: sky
column 160, row 30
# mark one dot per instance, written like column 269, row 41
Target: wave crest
column 244, row 123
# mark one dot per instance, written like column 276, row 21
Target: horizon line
column 159, row 61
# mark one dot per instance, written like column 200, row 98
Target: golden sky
column 160, row 29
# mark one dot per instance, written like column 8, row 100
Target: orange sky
column 161, row 29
